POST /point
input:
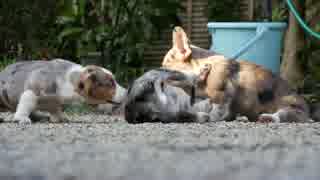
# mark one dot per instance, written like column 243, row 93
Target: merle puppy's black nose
column 93, row 77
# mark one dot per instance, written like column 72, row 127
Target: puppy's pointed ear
column 181, row 44
column 204, row 72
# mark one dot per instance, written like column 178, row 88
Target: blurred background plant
column 280, row 12
column 310, row 61
column 112, row 33
column 27, row 28
column 309, row 56
column 225, row 10
column 5, row 61
column 116, row 32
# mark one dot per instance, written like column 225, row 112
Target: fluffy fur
column 163, row 96
column 240, row 86
column 29, row 87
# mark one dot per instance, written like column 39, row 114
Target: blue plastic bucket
column 260, row 43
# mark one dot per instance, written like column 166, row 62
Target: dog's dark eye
column 162, row 85
column 81, row 85
column 90, row 70
column 93, row 78
column 112, row 83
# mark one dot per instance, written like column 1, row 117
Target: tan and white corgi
column 247, row 89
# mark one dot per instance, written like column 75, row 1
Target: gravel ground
column 101, row 147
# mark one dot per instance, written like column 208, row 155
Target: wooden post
column 251, row 8
column 291, row 69
column 189, row 22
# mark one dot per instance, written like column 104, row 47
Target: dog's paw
column 268, row 118
column 203, row 117
column 242, row 119
column 22, row 120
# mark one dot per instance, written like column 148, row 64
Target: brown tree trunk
column 291, row 70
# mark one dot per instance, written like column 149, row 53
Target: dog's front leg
column 292, row 108
column 27, row 103
column 221, row 112
column 287, row 114
column 221, row 99
column 217, row 112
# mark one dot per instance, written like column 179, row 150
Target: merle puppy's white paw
column 242, row 119
column 203, row 117
column 22, row 120
column 268, row 118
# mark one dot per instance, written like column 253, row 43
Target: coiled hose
column 301, row 21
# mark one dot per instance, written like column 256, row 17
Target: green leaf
column 69, row 32
column 81, row 7
column 63, row 20
column 75, row 9
column 317, row 28
column 103, row 28
column 87, row 36
column 66, row 8
column 102, row 6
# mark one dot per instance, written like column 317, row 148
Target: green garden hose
column 300, row 20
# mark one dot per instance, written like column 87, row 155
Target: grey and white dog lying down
column 162, row 95
column 32, row 87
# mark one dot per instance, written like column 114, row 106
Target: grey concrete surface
column 101, row 147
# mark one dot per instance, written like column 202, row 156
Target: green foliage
column 26, row 27
column 279, row 13
column 317, row 28
column 224, row 10
column 119, row 29
column 5, row 61
column 310, row 61
column 80, row 26
column 310, row 55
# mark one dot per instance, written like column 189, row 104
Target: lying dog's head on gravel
column 162, row 95
column 99, row 86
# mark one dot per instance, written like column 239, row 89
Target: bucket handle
column 261, row 30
